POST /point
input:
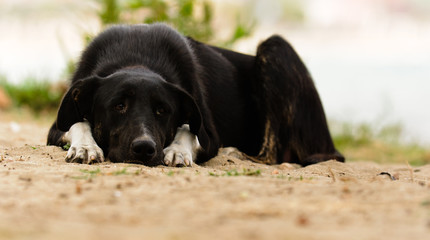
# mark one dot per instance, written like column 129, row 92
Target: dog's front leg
column 183, row 150
column 83, row 147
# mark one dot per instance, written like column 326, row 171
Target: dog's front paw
column 83, row 148
column 177, row 155
column 85, row 153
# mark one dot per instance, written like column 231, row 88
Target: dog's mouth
column 117, row 155
column 149, row 164
column 157, row 161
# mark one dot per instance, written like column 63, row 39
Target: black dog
column 147, row 94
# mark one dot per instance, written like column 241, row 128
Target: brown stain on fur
column 268, row 152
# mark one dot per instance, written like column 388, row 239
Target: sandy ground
column 43, row 197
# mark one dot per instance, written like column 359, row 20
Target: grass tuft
column 36, row 95
column 383, row 145
column 235, row 173
column 120, row 172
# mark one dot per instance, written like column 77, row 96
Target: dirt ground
column 43, row 197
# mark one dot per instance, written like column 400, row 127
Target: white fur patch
column 83, row 147
column 183, row 150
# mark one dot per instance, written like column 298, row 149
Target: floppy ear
column 190, row 113
column 77, row 103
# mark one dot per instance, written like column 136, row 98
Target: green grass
column 177, row 172
column 37, row 95
column 236, row 173
column 120, row 172
column 89, row 174
column 191, row 17
column 170, row 173
column 383, row 145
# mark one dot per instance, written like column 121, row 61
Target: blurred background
column 370, row 59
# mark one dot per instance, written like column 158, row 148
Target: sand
column 229, row 197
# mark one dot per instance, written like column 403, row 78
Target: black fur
column 265, row 105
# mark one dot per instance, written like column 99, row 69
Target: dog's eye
column 120, row 107
column 160, row 111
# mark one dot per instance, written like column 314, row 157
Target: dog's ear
column 190, row 113
column 77, row 103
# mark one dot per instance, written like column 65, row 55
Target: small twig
column 411, row 171
column 332, row 174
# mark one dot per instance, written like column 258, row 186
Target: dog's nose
column 143, row 149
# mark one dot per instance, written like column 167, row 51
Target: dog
column 147, row 94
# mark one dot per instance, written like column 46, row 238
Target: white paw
column 85, row 153
column 83, row 148
column 177, row 155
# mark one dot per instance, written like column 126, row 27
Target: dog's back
column 284, row 117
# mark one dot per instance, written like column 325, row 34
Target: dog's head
column 134, row 114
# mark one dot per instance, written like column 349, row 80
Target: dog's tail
column 295, row 127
